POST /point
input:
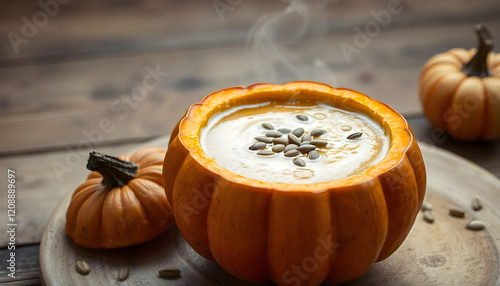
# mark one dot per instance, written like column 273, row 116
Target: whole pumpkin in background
column 460, row 91
column 122, row 202
column 260, row 231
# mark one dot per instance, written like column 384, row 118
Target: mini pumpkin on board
column 122, row 202
column 460, row 90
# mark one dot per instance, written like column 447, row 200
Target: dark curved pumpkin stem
column 115, row 172
column 477, row 66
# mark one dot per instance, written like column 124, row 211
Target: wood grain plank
column 27, row 266
column 49, row 107
column 93, row 29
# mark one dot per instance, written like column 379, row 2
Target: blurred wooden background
column 66, row 82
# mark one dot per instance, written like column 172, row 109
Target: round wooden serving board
column 442, row 253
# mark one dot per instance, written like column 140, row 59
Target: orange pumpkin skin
column 466, row 104
column 99, row 217
column 305, row 234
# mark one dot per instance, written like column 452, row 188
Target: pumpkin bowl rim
column 189, row 137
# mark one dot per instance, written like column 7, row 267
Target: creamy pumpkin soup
column 300, row 144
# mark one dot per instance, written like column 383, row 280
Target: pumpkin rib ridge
column 388, row 249
column 81, row 212
column 485, row 126
column 444, row 62
column 450, row 103
column 447, row 104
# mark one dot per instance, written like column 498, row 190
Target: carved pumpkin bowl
column 290, row 231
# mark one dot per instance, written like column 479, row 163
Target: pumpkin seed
column 285, row 130
column 306, row 138
column 169, row 272
column 355, row 135
column 426, row 206
column 123, row 274
column 264, row 139
column 268, row 126
column 317, row 132
column 299, row 162
column 305, row 148
column 278, row 148
column 257, row 146
column 292, row 153
column 265, row 153
column 476, row 204
column 313, row 155
column 457, row 212
column 428, row 216
column 290, row 147
column 283, row 141
column 475, row 225
column 298, row 132
column 292, row 139
column 274, row 134
column 318, row 143
column 302, row 117
column 82, row 267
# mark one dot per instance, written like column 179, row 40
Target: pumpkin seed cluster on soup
column 300, row 143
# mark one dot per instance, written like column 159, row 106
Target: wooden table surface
column 110, row 76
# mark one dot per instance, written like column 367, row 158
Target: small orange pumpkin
column 260, row 231
column 460, row 91
column 122, row 202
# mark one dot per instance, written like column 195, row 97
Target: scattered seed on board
column 476, row 204
column 428, row 216
column 169, row 272
column 290, row 147
column 283, row 141
column 292, row 139
column 268, row 126
column 274, row 134
column 123, row 274
column 264, row 139
column 306, row 138
column 257, row 146
column 317, row 132
column 298, row 132
column 82, row 267
column 301, row 117
column 426, row 206
column 305, row 148
column 265, row 153
column 475, row 225
column 299, row 162
column 285, row 130
column 355, row 135
column 278, row 148
column 318, row 143
column 457, row 212
column 292, row 153
column 313, row 155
